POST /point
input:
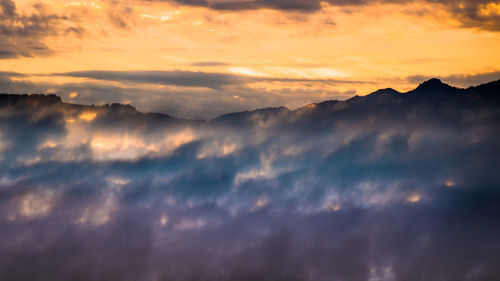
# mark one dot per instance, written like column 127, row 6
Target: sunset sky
column 249, row 140
column 203, row 58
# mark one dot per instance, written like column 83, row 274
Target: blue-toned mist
column 389, row 186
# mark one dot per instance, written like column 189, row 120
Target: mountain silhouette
column 432, row 99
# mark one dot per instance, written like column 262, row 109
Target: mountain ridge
column 432, row 91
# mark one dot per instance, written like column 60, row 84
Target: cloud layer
column 22, row 35
column 483, row 14
column 391, row 186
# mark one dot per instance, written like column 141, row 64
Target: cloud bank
column 390, row 186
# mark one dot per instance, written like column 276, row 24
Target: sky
column 200, row 59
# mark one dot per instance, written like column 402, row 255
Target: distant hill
column 431, row 100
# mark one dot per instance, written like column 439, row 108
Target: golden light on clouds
column 218, row 149
column 35, row 205
column 450, row 183
column 88, row 115
column 189, row 224
column 333, row 206
column 164, row 220
column 245, row 71
column 84, row 4
column 113, row 146
column 414, row 198
column 177, row 139
column 49, row 144
column 261, row 202
column 489, row 9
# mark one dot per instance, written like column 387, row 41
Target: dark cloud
column 290, row 5
column 9, row 74
column 8, row 85
column 209, row 63
column 7, row 54
column 22, row 35
column 8, row 9
column 118, row 16
column 178, row 78
column 481, row 14
column 189, row 78
column 390, row 186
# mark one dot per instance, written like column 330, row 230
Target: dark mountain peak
column 379, row 96
column 386, row 91
column 433, row 85
column 433, row 82
column 435, row 89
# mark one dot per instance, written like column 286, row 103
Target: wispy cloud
column 192, row 78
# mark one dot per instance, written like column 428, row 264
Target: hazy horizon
column 70, row 101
